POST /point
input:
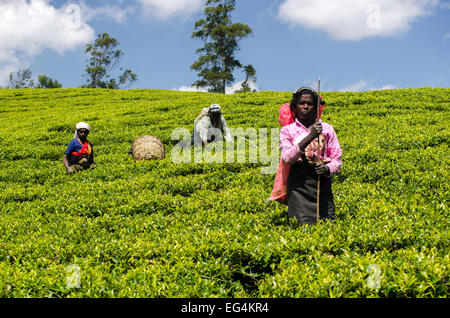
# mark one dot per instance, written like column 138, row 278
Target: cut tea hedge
column 161, row 229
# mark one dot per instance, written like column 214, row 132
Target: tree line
column 215, row 66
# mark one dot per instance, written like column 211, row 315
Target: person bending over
column 209, row 126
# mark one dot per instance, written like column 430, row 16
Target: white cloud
column 190, row 89
column 228, row 90
column 110, row 11
column 165, row 9
column 445, row 5
column 447, row 36
column 238, row 85
column 355, row 87
column 363, row 85
column 29, row 27
column 355, row 19
column 313, row 83
column 388, row 86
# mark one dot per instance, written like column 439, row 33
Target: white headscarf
column 214, row 108
column 81, row 125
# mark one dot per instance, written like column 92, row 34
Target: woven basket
column 147, row 148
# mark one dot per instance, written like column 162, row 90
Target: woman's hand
column 316, row 130
column 322, row 168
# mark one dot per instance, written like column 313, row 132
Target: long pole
column 318, row 149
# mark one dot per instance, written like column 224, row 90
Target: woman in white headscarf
column 79, row 154
column 209, row 125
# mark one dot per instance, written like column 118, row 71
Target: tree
column 104, row 60
column 47, row 82
column 221, row 40
column 21, row 79
column 250, row 75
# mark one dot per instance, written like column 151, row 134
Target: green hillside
column 162, row 229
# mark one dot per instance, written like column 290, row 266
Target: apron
column 302, row 194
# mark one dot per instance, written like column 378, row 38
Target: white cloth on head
column 204, row 130
column 214, row 108
column 81, row 125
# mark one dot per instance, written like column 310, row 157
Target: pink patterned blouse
column 330, row 153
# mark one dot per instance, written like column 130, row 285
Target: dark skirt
column 79, row 164
column 74, row 160
column 302, row 195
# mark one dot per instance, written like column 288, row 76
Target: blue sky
column 353, row 45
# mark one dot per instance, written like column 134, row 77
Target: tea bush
column 162, row 229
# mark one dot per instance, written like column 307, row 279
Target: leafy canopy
column 221, row 39
column 21, row 79
column 103, row 61
column 250, row 75
column 47, row 82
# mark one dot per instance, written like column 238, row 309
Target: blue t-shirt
column 74, row 146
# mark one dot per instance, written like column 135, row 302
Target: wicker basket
column 147, row 148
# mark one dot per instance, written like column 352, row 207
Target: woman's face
column 83, row 133
column 305, row 109
column 214, row 116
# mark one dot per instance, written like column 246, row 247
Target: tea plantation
column 165, row 229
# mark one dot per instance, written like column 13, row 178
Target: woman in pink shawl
column 300, row 167
column 279, row 190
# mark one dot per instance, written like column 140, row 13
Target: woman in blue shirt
column 79, row 154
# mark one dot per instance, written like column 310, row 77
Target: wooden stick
column 318, row 150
